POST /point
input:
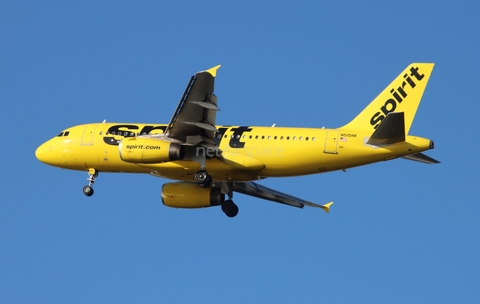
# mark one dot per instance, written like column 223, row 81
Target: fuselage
column 248, row 152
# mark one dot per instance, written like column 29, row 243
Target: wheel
column 229, row 208
column 203, row 179
column 88, row 191
column 201, row 176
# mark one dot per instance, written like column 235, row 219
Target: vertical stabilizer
column 402, row 95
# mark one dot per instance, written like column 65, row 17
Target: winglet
column 326, row 207
column 213, row 71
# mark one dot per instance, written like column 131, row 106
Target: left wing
column 194, row 119
column 256, row 190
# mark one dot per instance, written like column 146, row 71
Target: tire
column 229, row 208
column 88, row 191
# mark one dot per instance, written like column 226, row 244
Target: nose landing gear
column 92, row 174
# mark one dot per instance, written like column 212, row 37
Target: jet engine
column 149, row 150
column 190, row 195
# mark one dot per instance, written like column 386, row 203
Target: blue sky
column 399, row 232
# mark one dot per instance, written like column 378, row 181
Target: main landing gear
column 203, row 178
column 228, row 206
column 92, row 174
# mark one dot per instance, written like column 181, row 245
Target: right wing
column 259, row 191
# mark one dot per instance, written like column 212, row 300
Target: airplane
column 210, row 162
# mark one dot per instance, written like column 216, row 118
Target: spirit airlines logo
column 124, row 130
column 398, row 96
column 141, row 147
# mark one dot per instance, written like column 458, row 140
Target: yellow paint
column 266, row 151
column 268, row 157
column 186, row 195
column 401, row 85
column 326, row 207
column 213, row 71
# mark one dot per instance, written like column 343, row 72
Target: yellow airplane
column 211, row 162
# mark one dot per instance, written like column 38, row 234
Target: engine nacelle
column 190, row 195
column 149, row 150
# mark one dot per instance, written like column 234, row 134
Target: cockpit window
column 63, row 134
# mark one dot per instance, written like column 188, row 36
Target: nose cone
column 42, row 153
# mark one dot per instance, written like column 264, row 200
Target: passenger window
column 313, row 138
column 256, row 136
column 269, row 137
column 294, row 138
column 275, row 138
column 306, row 138
column 300, row 138
column 263, row 136
column 288, row 137
column 101, row 132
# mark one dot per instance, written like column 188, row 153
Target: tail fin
column 402, row 95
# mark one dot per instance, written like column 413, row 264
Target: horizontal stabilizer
column 391, row 130
column 420, row 157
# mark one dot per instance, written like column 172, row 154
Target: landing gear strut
column 204, row 180
column 92, row 174
column 202, row 177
